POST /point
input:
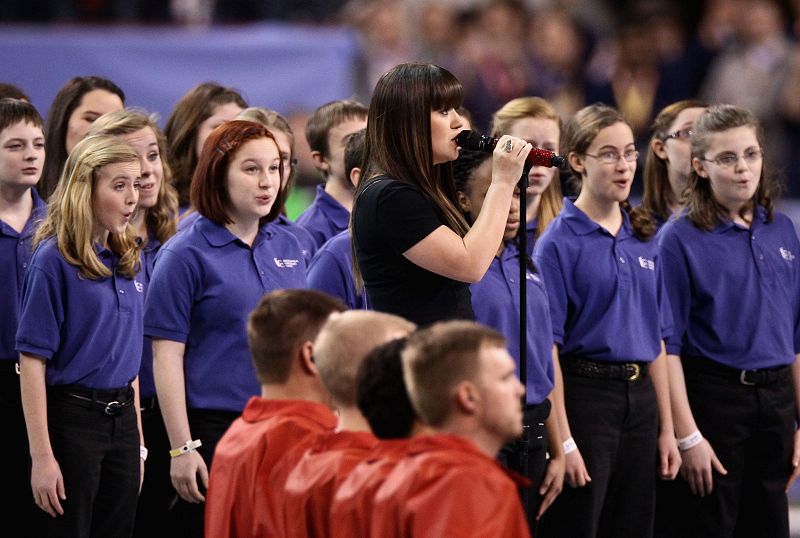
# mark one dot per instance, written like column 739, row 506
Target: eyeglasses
column 612, row 156
column 727, row 160
column 682, row 134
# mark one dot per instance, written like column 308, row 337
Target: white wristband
column 143, row 452
column 189, row 446
column 691, row 440
column 569, row 446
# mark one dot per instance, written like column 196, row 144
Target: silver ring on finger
column 509, row 146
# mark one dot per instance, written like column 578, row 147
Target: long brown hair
column 702, row 209
column 181, row 129
column 657, row 189
column 503, row 121
column 579, row 133
column 398, row 137
column 67, row 99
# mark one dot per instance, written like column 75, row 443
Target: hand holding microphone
column 537, row 156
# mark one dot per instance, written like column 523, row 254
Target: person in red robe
column 311, row 480
column 290, row 413
column 462, row 383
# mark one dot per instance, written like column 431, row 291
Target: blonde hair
column 345, row 341
column 70, row 216
column 162, row 218
column 502, row 123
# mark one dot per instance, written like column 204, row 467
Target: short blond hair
column 343, row 343
column 438, row 358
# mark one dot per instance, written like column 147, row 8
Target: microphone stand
column 524, row 443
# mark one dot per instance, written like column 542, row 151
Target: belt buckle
column 636, row 371
column 743, row 379
column 113, row 408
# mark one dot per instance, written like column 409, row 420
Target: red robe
column 312, row 482
column 237, row 503
column 446, row 487
column 351, row 510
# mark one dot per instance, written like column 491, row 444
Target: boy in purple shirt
column 331, row 269
column 732, row 275
column 327, row 131
column 21, row 208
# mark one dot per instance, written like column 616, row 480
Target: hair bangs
column 446, row 90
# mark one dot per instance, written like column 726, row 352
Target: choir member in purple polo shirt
column 601, row 271
column 496, row 302
column 414, row 250
column 732, row 274
column 206, row 281
column 535, row 120
column 331, row 269
column 669, row 160
column 326, row 132
column 80, row 344
column 284, row 136
column 21, row 209
column 201, row 110
column 154, row 222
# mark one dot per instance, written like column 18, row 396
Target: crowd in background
column 636, row 55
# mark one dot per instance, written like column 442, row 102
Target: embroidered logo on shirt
column 786, row 254
column 647, row 264
column 139, row 286
column 285, row 263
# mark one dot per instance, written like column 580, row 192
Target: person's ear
column 659, row 148
column 467, row 397
column 320, row 162
column 576, row 162
column 463, row 202
column 699, row 167
column 355, row 176
column 306, row 359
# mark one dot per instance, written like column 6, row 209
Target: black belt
column 759, row 377
column 624, row 371
column 111, row 402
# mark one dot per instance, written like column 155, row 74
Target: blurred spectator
column 751, row 69
column 559, row 49
column 493, row 65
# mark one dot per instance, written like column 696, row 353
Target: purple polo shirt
column 496, row 302
column 325, row 217
column 147, row 387
column 187, row 219
column 15, row 253
column 734, row 291
column 90, row 331
column 205, row 284
column 331, row 271
column 303, row 236
column 606, row 294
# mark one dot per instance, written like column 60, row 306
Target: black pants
column 615, row 424
column 751, row 430
column 528, row 457
column 209, row 427
column 98, row 455
column 154, row 515
column 18, row 506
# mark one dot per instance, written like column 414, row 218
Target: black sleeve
column 404, row 215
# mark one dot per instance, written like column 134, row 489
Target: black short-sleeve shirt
column 390, row 217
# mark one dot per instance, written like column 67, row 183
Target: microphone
column 537, row 157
